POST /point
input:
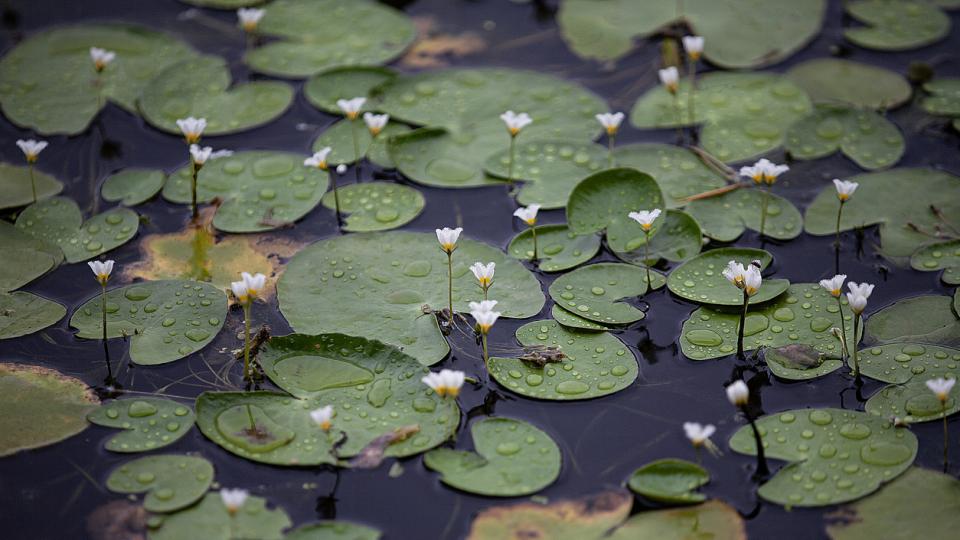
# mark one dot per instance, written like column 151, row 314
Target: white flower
column 694, row 46
column 738, row 394
column 375, row 122
column 233, row 499
column 341, row 168
column 756, row 171
column 102, row 270
column 249, row 287
column 941, row 387
column 610, row 121
column 319, row 158
column 202, row 155
column 645, row 218
column 834, row 284
column 445, row 383
column 735, row 274
column 351, row 107
column 698, row 434
column 844, row 189
column 192, row 128
column 670, row 78
column 515, row 122
column 773, row 172
column 101, row 57
column 483, row 305
column 249, row 18
column 858, row 295
column 448, row 238
column 483, row 313
column 483, row 273
column 528, row 214
column 323, row 417
column 31, row 148
column 752, row 280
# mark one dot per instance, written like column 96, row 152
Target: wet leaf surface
column 570, row 519
column 147, row 423
column 171, row 482
column 58, row 221
column 670, row 481
column 596, row 292
column 701, row 279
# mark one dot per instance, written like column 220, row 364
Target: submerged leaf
column 585, row 518
column 210, row 520
column 712, row 519
column 670, row 481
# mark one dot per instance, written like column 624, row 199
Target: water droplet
column 572, row 387
column 508, row 448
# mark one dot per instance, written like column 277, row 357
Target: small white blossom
column 102, row 270
column 483, row 273
column 31, row 149
column 528, row 214
column 249, row 18
column 375, row 122
column 445, row 383
column 249, row 287
column 735, row 274
column 764, row 171
column 610, row 121
column 738, row 394
column 694, row 46
column 233, row 499
column 200, row 156
column 101, row 57
column 645, row 218
column 323, row 417
column 834, row 284
column 341, row 168
column 845, row 189
column 319, row 158
column 670, row 78
column 698, row 434
column 941, row 387
column 515, row 122
column 752, row 280
column 858, row 295
column 192, row 128
column 351, row 107
column 448, row 238
column 483, row 313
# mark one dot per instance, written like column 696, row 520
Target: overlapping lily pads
column 26, row 257
column 376, row 206
column 511, row 458
column 17, row 187
column 132, row 186
column 324, row 89
column 841, row 455
column 596, row 292
column 558, row 248
column 921, row 319
column 171, row 482
column 864, row 136
column 339, row 138
column 838, row 81
column 799, row 362
column 163, row 320
column 939, row 256
column 333, row 530
column 148, row 423
column 677, row 239
column 58, row 221
column 670, row 481
column 725, row 217
column 23, row 313
column 896, row 25
column 701, row 279
column 944, row 98
column 712, row 519
column 210, row 520
column 678, row 171
column 912, row 401
column 572, row 320
column 602, row 201
column 584, row 518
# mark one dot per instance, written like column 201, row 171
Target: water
column 50, row 492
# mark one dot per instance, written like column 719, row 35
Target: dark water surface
column 48, row 493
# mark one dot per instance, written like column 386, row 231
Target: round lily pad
column 260, row 190
column 511, row 458
column 670, row 481
column 595, row 364
column 333, row 530
column 701, row 278
column 27, row 257
column 834, row 80
column 376, row 206
column 896, row 25
column 572, row 320
column 898, row 363
column 678, row 171
column 163, row 320
column 799, row 362
column 912, row 401
column 210, row 520
column 712, row 519
column 582, row 518
column 171, row 482
column 804, row 314
column 870, row 140
column 132, row 186
column 324, row 89
column 558, row 248
column 944, row 98
column 360, row 33
column 842, row 454
column 147, row 423
column 58, row 221
column 340, row 140
column 48, row 83
column 603, row 202
column 41, row 407
column 921, row 319
column 201, row 87
column 435, row 157
column 595, row 292
column 939, row 256
column 379, row 283
column 725, row 217
column 23, row 313
column 16, row 185
column 677, row 239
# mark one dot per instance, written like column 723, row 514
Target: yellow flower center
column 484, row 281
column 485, row 328
column 750, row 290
column 611, row 130
column 646, row 226
column 843, row 197
column 353, row 115
column 192, row 138
column 325, row 425
column 835, row 293
column 513, row 131
column 531, row 222
column 249, row 26
column 453, row 392
column 374, row 131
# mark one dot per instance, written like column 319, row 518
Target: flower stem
column 483, row 341
column 193, row 191
column 762, row 470
column 676, row 108
column 450, row 283
column 843, row 332
column 33, row 183
column 536, row 257
column 836, row 243
column 646, row 259
column 610, row 139
column 856, row 359
column 763, row 210
column 336, row 196
column 246, row 341
column 692, row 73
column 103, row 310
column 743, row 320
column 356, row 147
column 485, row 289
column 513, row 139
column 945, row 435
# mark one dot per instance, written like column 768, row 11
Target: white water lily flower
column 645, row 218
column 448, row 238
column 319, row 158
column 858, row 295
column 698, row 434
column 233, row 499
column 445, row 383
column 341, row 168
column 694, row 46
column 773, row 172
column 738, row 394
column 941, row 387
column 192, row 128
column 756, row 171
column 31, row 149
column 323, row 417
column 483, row 305
column 528, row 214
column 845, row 189
column 735, row 274
column 249, row 287
column 834, row 284
column 610, row 121
column 102, row 270
column 375, row 122
column 483, row 273
column 515, row 122
column 670, row 78
column 752, row 280
column 249, row 18
column 101, row 57
column 485, row 318
column 351, row 107
column 199, row 155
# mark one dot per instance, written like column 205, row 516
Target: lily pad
column 939, row 256
column 47, row 83
column 324, row 89
column 333, row 530
column 260, row 190
column 511, row 458
column 435, row 157
column 921, row 319
column 595, row 292
column 898, row 363
column 678, row 171
column 584, row 518
column 595, row 364
column 842, row 454
column 41, row 407
column 379, row 283
column 944, row 98
column 201, row 88
column 725, row 217
column 163, row 320
column 896, row 25
column 558, row 248
column 147, row 423
column 572, row 320
column 805, row 314
column 58, row 221
column 912, row 401
column 171, row 482
column 870, row 140
column 712, row 519
column 799, row 362
column 602, row 202
column 376, row 206
column 361, row 33
column 670, row 481
column 834, row 80
column 23, row 313
column 132, row 186
column 27, row 257
column 340, row 139
column 16, row 185
column 701, row 279
column 890, row 199
column 678, row 239
column 210, row 520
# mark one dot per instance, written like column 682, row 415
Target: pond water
column 50, row 492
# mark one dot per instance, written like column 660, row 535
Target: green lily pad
column 572, row 320
column 47, row 82
column 725, row 217
column 201, row 88
column 743, row 114
column 834, row 80
column 355, row 34
column 172, row 482
column 670, row 481
column 551, row 167
column 41, row 407
column 595, row 364
column 870, row 140
column 898, row 363
column 261, row 190
column 944, row 98
column 583, row 518
column 712, row 519
column 324, row 89
column 511, row 458
column 805, row 314
column 333, row 530
column 595, row 292
column 678, row 171
column 58, row 221
column 799, row 362
column 896, row 25
column 677, row 239
column 376, row 206
column 767, row 32
column 147, row 423
column 132, row 186
column 340, row 140
column 889, row 199
column 701, row 278
column 939, row 256
column 17, row 187
column 558, row 248
column 912, row 401
column 603, row 202
column 23, row 313
column 27, row 257
column 843, row 454
column 921, row 319
column 210, row 520
column 163, row 320
column 379, row 283
column 435, row 157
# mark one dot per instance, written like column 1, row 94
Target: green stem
column 483, row 340
column 610, row 139
column 945, row 435
column 513, row 139
column 450, row 283
column 103, row 308
column 839, row 213
column 336, row 196
column 536, row 257
column 33, row 183
column 856, row 359
column 356, row 147
column 743, row 320
column 692, row 73
column 763, row 209
column 246, row 341
column 193, row 191
column 253, row 424
column 843, row 331
column 485, row 289
column 762, row 470
column 676, row 108
column 646, row 258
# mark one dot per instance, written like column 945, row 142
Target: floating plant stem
column 448, row 244
column 941, row 387
column 856, row 355
column 515, row 122
column 351, row 108
column 356, row 153
column 450, row 283
column 33, row 182
column 743, row 320
column 246, row 291
column 763, row 209
column 646, row 220
column 513, row 141
column 102, row 271
column 246, row 341
column 762, row 470
column 843, row 331
column 646, row 258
